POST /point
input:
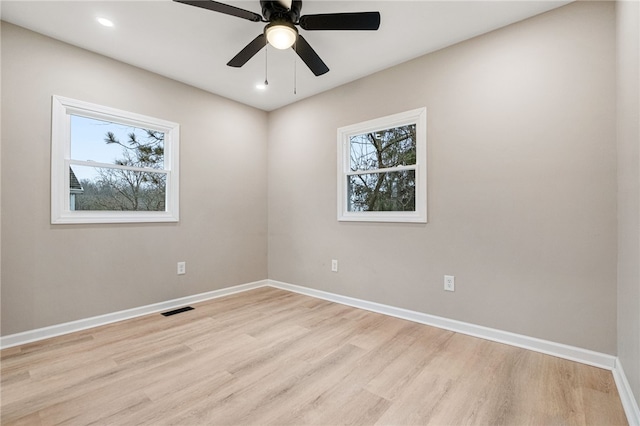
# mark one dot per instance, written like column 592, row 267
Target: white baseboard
column 629, row 402
column 560, row 350
column 83, row 324
column 572, row 353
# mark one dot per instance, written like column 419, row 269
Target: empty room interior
column 440, row 227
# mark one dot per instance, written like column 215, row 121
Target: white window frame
column 61, row 213
column 417, row 117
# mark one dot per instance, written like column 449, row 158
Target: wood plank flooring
column 270, row 357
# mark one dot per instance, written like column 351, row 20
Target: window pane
column 393, row 191
column 98, row 188
column 384, row 148
column 112, row 143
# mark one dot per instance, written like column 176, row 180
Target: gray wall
column 628, row 32
column 522, row 183
column 54, row 274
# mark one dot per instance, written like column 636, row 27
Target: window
column 382, row 169
column 111, row 166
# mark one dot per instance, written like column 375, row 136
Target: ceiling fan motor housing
column 275, row 11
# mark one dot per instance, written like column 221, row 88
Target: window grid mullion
column 117, row 166
column 379, row 171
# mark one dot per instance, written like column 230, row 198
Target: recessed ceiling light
column 105, row 22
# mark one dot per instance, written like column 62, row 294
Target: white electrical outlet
column 449, row 283
column 334, row 265
column 182, row 268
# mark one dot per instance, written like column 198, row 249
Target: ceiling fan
column 281, row 17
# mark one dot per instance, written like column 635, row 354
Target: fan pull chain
column 295, row 73
column 266, row 63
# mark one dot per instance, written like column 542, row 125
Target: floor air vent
column 177, row 311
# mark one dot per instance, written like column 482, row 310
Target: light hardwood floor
column 268, row 356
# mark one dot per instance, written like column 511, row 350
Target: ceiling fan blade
column 223, row 8
column 310, row 57
column 341, row 21
column 248, row 52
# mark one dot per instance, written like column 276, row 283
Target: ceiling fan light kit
column 280, row 32
column 281, row 35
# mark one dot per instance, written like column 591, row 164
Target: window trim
column 61, row 110
column 415, row 116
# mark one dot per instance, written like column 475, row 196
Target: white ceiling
column 193, row 45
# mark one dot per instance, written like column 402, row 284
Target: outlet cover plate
column 449, row 283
